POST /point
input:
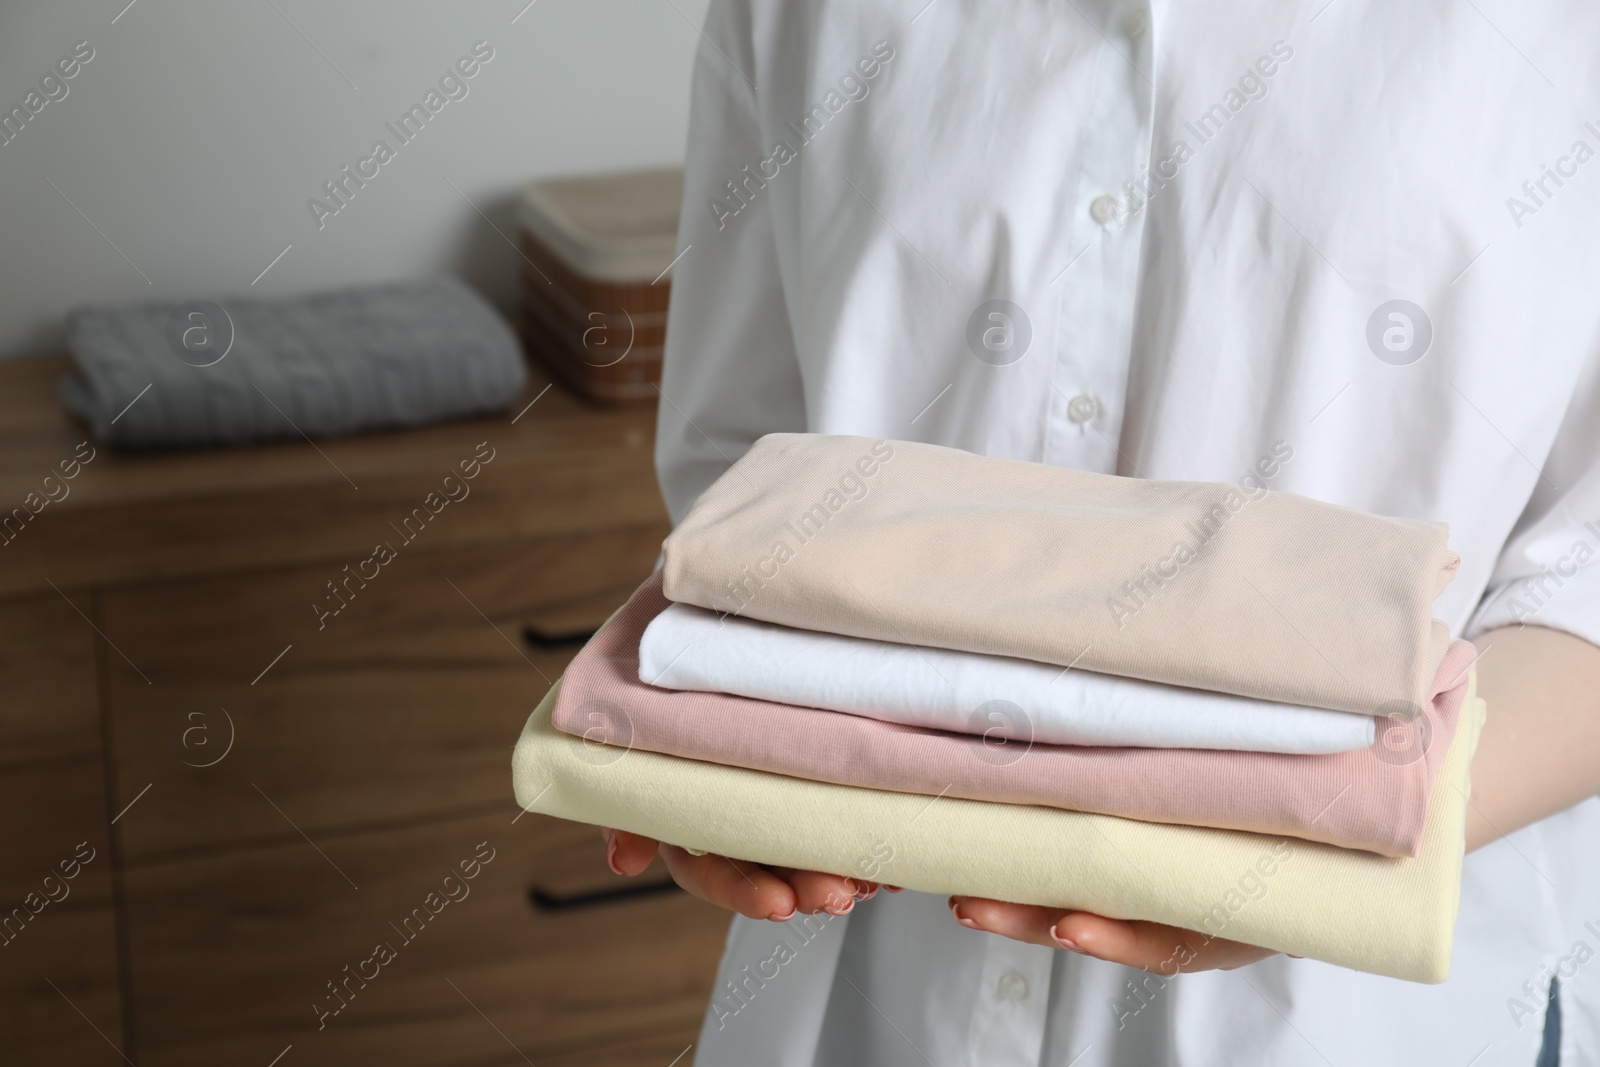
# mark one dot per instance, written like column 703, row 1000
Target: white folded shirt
column 1015, row 699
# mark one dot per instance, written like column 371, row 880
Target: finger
column 815, row 891
column 1149, row 946
column 1020, row 922
column 745, row 888
column 626, row 853
column 1153, row 946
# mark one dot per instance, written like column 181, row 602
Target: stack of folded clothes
column 1216, row 707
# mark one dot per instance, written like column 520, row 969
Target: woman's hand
column 1165, row 950
column 775, row 893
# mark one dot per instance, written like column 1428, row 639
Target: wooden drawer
column 262, row 763
column 131, row 517
column 668, row 1048
column 403, row 706
column 232, row 953
column 49, row 712
column 58, row 964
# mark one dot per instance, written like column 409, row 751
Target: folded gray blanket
column 324, row 365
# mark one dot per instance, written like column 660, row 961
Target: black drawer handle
column 544, row 901
column 539, row 639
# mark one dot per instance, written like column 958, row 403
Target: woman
column 1166, row 241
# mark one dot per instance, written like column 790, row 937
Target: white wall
column 194, row 137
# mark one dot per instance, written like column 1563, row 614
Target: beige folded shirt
column 1214, row 586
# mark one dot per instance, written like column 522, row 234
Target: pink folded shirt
column 1373, row 799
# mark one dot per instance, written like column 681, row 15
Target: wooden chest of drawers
column 277, row 741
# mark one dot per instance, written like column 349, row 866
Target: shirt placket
column 1096, row 300
column 1012, row 1005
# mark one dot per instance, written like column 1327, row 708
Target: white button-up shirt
column 1350, row 248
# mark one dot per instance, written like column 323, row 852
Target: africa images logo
column 853, row 485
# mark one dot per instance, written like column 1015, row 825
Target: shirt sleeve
column 1548, row 573
column 730, row 372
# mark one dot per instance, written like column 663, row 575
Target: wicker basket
column 596, row 251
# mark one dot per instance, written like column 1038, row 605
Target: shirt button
column 1105, row 209
column 1138, row 22
column 1013, row 986
column 1082, row 408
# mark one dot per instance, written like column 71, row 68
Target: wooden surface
column 267, row 790
column 291, row 922
column 62, row 960
column 129, row 518
column 406, row 704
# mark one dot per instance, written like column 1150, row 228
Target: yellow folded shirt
column 1372, row 913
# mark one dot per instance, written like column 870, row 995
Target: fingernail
column 894, row 889
column 831, row 906
column 1064, row 941
column 611, row 852
column 781, row 917
column 955, row 909
column 854, row 886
